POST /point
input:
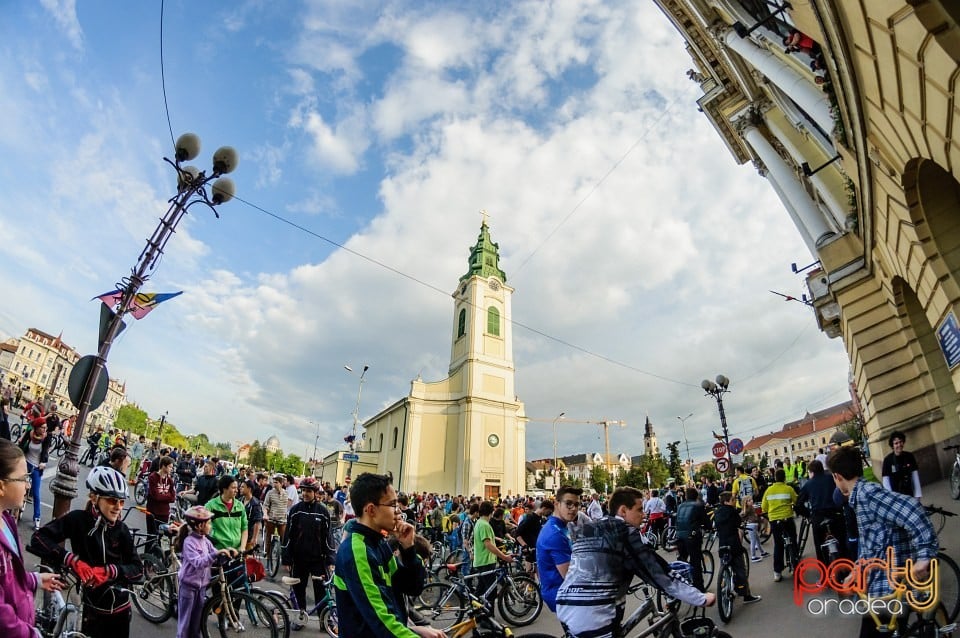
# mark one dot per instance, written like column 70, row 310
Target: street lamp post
column 683, row 424
column 356, row 418
column 556, row 470
column 192, row 185
column 717, row 390
column 163, row 419
column 313, row 459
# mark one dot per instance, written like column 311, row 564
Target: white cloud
column 64, row 13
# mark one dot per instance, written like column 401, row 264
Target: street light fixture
column 556, row 470
column 192, row 188
column 717, row 390
column 316, row 440
column 356, row 417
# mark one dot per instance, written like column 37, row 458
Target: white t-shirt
column 293, row 497
column 655, row 505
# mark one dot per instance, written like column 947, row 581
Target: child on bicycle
column 102, row 553
column 197, row 556
column 726, row 520
column 751, row 522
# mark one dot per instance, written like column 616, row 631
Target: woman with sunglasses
column 101, row 553
column 17, row 585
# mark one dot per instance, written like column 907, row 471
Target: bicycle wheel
column 441, row 605
column 329, row 621
column 949, row 585
column 938, row 519
column 725, row 593
column 928, row 625
column 707, row 569
column 763, row 530
column 156, row 596
column 278, row 610
column 273, row 558
column 456, row 556
column 670, row 539
column 140, row 493
column 519, row 601
column 242, row 613
column 955, row 481
column 16, row 431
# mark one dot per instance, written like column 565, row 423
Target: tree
column 674, row 463
column 636, row 476
column 258, row 455
column 132, row 418
column 600, row 479
column 764, row 462
column 707, row 470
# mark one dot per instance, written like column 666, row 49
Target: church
column 465, row 434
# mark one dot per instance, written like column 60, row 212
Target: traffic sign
column 721, row 464
column 719, row 450
column 346, row 480
column 736, row 446
column 351, row 457
column 80, row 376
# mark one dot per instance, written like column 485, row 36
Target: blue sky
column 624, row 225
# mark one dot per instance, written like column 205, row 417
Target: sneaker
column 756, row 559
column 777, row 577
column 751, row 599
column 764, row 554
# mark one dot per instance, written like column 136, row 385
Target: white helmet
column 106, row 481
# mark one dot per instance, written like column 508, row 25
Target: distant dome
column 272, row 444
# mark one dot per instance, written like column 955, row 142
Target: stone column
column 810, row 217
column 800, row 88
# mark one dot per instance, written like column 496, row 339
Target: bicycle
column 954, row 471
column 228, row 610
column 802, row 535
column 325, row 609
column 156, row 597
column 58, row 616
column 517, row 597
column 938, row 517
column 726, row 587
column 273, row 551
column 928, row 624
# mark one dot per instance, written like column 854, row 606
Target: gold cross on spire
column 484, row 215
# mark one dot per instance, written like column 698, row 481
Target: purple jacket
column 198, row 555
column 17, row 587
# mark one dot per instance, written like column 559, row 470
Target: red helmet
column 310, row 483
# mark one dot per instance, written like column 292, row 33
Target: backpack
column 746, row 488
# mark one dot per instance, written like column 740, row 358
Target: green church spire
column 485, row 256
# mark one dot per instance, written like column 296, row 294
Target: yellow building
column 847, row 108
column 465, row 434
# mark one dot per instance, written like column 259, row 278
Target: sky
column 370, row 136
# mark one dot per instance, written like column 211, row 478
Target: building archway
column 941, row 18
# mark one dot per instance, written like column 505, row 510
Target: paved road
column 776, row 615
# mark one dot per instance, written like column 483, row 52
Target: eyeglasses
column 21, row 479
column 394, row 505
column 571, row 503
column 113, row 501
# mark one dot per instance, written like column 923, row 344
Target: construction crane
column 605, row 424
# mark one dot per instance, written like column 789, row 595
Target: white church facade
column 465, row 434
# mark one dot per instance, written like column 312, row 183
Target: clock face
column 494, row 284
column 493, row 440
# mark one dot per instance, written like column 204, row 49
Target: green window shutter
column 493, row 321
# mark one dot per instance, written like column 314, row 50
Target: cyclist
column 35, row 444
column 726, row 520
column 777, row 505
column 161, row 491
column 655, row 509
column 691, row 519
column 370, row 580
column 198, row 555
column 485, row 550
column 605, row 558
column 816, row 501
column 309, row 546
column 254, row 513
column 744, row 487
column 553, row 544
column 275, row 511
column 229, row 527
column 101, row 553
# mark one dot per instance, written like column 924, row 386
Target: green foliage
column 707, row 470
column 637, row 475
column 258, row 455
column 600, row 479
column 540, row 483
column 764, row 462
column 130, row 417
column 674, row 463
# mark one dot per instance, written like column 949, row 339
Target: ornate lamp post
column 717, row 390
column 683, row 424
column 193, row 187
column 356, row 418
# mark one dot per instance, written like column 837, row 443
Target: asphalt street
column 776, row 614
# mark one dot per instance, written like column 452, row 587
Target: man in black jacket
column 691, row 519
column 309, row 546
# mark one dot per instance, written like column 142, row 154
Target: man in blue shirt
column 553, row 544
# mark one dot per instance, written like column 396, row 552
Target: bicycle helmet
column 106, row 481
column 310, row 483
column 197, row 514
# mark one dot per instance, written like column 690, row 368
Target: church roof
column 485, row 257
column 272, row 441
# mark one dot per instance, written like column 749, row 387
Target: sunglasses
column 113, row 501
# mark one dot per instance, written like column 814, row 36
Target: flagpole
column 191, row 189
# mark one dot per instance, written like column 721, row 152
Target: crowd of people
column 584, row 550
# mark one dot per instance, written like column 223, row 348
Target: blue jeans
column 35, row 476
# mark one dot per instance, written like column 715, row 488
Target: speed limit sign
column 722, row 465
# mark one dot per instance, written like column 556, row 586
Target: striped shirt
column 888, row 519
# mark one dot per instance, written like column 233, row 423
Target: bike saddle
column 289, row 580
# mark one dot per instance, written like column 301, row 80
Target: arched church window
column 396, row 432
column 462, row 323
column 493, row 321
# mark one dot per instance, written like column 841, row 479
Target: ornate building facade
column 847, row 109
column 465, row 434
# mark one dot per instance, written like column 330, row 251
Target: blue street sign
column 351, row 457
column 948, row 333
column 736, row 446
